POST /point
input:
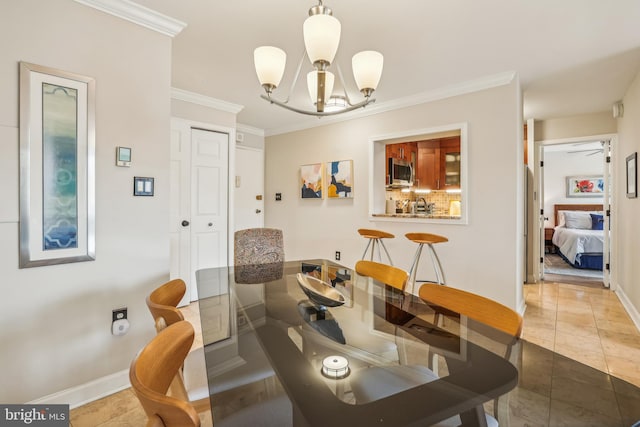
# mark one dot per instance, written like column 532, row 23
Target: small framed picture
column 311, row 181
column 123, row 156
column 585, row 186
column 142, row 186
column 632, row 176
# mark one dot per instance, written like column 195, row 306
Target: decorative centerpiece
column 320, row 292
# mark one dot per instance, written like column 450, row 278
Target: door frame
column 179, row 122
column 537, row 204
column 256, row 150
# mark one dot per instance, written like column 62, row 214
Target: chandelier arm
column 295, row 77
column 344, row 86
column 315, row 113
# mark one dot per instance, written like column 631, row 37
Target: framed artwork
column 585, row 186
column 142, row 186
column 340, row 179
column 311, row 181
column 632, row 176
column 57, row 166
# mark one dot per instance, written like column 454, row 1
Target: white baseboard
column 628, row 305
column 88, row 392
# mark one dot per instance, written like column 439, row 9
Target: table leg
column 474, row 417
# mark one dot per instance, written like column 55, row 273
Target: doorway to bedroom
column 576, row 247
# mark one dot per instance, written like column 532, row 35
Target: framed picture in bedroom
column 632, row 176
column 585, row 186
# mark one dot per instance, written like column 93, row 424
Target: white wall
column 558, row 165
column 484, row 256
column 627, row 211
column 55, row 321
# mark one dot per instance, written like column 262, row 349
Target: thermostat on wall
column 123, row 156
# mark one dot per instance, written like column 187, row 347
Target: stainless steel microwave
column 400, row 173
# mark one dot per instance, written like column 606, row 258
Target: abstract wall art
column 340, row 179
column 311, row 181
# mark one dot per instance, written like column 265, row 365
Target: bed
column 578, row 234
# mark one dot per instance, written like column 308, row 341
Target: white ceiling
column 571, row 56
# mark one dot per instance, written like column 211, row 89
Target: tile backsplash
column 442, row 199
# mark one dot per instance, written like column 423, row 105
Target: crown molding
column 470, row 86
column 138, row 14
column 207, row 101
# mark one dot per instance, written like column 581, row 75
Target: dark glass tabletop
column 312, row 343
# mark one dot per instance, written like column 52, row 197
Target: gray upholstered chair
column 258, row 246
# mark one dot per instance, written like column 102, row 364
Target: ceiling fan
column 590, row 151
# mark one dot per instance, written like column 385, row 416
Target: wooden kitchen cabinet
column 450, row 163
column 428, row 167
column 404, row 151
column 407, row 151
column 438, row 166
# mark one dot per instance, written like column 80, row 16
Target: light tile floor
column 585, row 323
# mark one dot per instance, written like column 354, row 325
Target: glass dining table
column 310, row 342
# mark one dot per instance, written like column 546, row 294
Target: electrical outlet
column 119, row 314
column 337, row 255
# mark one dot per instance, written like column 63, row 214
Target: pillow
column 560, row 219
column 597, row 221
column 577, row 219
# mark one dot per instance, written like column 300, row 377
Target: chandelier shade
column 269, row 62
column 321, row 38
column 367, row 69
column 312, row 85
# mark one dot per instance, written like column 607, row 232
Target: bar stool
column 375, row 237
column 426, row 239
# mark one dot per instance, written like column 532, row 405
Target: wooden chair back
column 163, row 302
column 474, row 306
column 258, row 246
column 392, row 276
column 153, row 370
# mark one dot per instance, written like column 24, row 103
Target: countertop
column 410, row 215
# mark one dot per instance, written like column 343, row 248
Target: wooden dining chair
column 190, row 382
column 152, row 372
column 163, row 303
column 481, row 309
column 388, row 274
column 477, row 307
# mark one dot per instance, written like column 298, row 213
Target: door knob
column 185, row 223
column 210, row 224
column 258, row 211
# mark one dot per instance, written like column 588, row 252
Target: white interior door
column 249, row 188
column 538, row 212
column 199, row 202
column 606, row 251
column 180, row 204
column 209, row 201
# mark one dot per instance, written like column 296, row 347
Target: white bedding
column 573, row 241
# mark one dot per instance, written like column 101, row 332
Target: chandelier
column 321, row 32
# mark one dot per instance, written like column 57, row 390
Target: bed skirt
column 587, row 261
